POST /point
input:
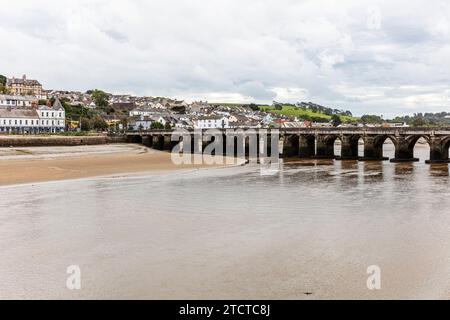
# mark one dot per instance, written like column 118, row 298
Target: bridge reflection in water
column 319, row 143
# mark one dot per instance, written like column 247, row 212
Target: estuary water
column 308, row 231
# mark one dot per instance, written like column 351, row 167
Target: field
column 305, row 114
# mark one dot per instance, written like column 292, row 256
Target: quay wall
column 42, row 141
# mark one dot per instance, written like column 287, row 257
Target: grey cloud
column 116, row 35
column 257, row 90
column 228, row 48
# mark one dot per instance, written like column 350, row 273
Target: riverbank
column 39, row 164
column 57, row 140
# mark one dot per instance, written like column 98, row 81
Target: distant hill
column 439, row 119
column 308, row 111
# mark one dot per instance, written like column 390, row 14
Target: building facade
column 52, row 119
column 141, row 123
column 41, row 119
column 24, row 86
column 10, row 101
column 19, row 121
column 212, row 122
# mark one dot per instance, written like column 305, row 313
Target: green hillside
column 304, row 114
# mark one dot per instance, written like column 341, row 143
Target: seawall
column 39, row 141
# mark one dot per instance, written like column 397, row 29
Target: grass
column 304, row 114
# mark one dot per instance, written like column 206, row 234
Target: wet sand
column 40, row 164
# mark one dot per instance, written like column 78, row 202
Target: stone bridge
column 319, row 143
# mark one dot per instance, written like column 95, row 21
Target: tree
column 419, row 122
column 85, row 124
column 100, row 98
column 99, row 124
column 168, row 126
column 3, row 84
column 336, row 120
column 254, row 107
column 371, row 119
column 156, row 125
column 124, row 122
column 3, row 89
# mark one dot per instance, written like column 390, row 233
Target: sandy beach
column 40, row 164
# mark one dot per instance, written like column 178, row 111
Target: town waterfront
column 308, row 231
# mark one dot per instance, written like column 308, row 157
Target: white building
column 52, row 119
column 10, row 101
column 212, row 122
column 19, row 121
column 43, row 119
column 141, row 123
column 143, row 111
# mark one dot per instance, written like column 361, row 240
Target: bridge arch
column 446, row 147
column 381, row 139
column 404, row 147
column 337, row 145
column 158, row 142
column 374, row 146
column 134, row 139
column 350, row 146
column 439, row 150
column 291, row 145
column 325, row 146
column 412, row 143
column 389, row 146
column 307, row 146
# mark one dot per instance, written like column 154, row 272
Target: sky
column 370, row 57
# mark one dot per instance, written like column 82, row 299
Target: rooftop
column 23, row 81
column 17, row 98
column 19, row 113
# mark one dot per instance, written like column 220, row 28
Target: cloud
column 377, row 57
column 374, row 18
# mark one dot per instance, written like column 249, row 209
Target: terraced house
column 17, row 101
column 35, row 120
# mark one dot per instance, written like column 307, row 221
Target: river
column 308, row 231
